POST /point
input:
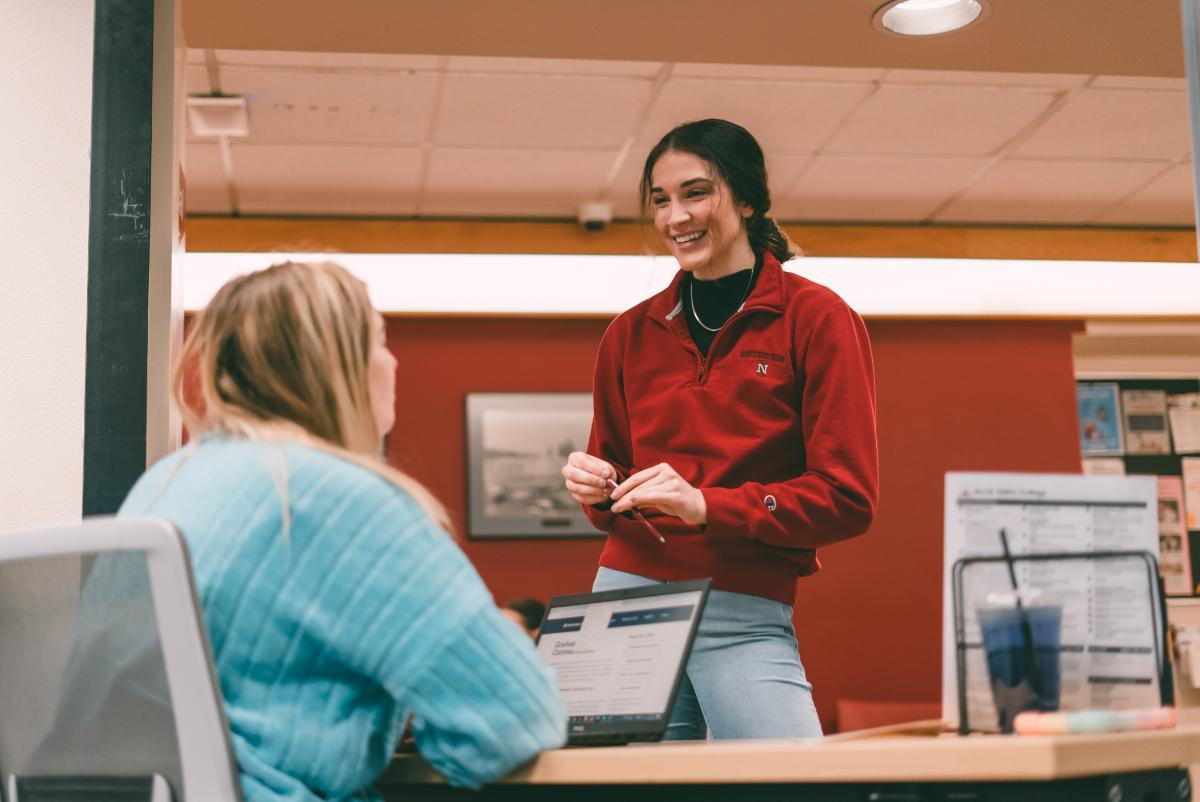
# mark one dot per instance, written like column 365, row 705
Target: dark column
column 114, row 442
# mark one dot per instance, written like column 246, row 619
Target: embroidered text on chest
column 762, row 356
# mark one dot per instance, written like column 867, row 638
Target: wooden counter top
column 942, row 758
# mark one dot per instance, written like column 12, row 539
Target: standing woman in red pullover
column 736, row 410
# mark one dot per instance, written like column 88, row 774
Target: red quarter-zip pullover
column 776, row 427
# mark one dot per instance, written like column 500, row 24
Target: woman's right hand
column 587, row 477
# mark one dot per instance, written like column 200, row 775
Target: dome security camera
column 595, row 215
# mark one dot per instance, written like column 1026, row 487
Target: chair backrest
column 105, row 668
column 862, row 714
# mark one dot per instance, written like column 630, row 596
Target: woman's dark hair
column 530, row 610
column 734, row 155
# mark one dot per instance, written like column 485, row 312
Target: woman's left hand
column 664, row 489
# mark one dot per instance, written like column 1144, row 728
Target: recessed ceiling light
column 927, row 17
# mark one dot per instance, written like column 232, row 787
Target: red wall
column 995, row 396
column 441, row 360
column 952, row 396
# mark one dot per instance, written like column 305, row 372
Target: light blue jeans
column 744, row 678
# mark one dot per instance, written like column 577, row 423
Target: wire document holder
column 1157, row 608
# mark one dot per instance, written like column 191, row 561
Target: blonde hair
column 282, row 355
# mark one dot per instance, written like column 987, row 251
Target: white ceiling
column 451, row 136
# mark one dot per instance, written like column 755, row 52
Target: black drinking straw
column 1026, row 628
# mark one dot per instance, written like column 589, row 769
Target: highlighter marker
column 1090, row 721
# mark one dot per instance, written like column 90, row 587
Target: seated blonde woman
column 339, row 609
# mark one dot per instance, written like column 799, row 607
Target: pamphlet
column 1145, row 413
column 1104, row 466
column 1184, row 412
column 1111, row 630
column 1099, row 418
column 1191, row 491
column 1174, row 560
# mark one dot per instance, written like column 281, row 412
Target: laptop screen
column 619, row 655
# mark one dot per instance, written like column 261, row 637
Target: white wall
column 165, row 294
column 45, row 136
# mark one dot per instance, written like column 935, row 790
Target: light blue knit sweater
column 326, row 639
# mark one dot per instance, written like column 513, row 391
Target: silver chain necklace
column 695, row 314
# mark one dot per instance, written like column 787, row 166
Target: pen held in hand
column 638, row 514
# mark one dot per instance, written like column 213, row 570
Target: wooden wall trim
column 215, row 234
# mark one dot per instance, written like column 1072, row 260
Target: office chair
column 106, row 683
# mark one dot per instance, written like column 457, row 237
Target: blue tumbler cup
column 1023, row 675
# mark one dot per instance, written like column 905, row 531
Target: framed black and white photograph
column 517, row 444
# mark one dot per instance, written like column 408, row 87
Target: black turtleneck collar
column 715, row 301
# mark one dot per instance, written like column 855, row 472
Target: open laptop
column 619, row 655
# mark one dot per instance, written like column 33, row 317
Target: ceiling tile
column 556, row 66
column 204, row 180
column 875, row 188
column 346, row 107
column 979, row 78
column 1165, row 201
column 625, row 185
column 539, row 110
column 371, row 61
column 195, row 80
column 772, row 72
column 1115, row 124
column 782, row 170
column 1139, row 82
column 942, row 120
column 784, row 117
column 1036, row 191
column 513, row 183
column 328, row 179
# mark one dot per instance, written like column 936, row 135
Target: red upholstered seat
column 861, row 714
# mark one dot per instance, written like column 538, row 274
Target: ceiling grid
column 427, row 143
column 448, row 136
column 1006, row 150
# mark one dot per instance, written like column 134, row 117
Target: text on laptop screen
column 617, row 660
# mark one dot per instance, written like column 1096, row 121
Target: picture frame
column 517, row 444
